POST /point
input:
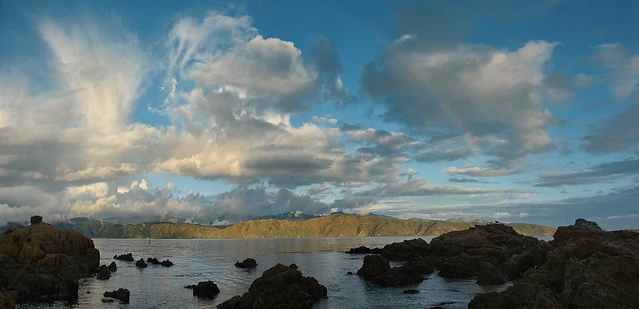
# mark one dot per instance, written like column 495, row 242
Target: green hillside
column 335, row 225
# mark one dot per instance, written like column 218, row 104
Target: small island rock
column 121, row 294
column 206, row 289
column 247, row 263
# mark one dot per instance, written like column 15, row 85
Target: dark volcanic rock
column 141, row 264
column 247, row 263
column 206, row 289
column 406, row 249
column 279, row 287
column 8, row 300
column 294, row 266
column 587, row 268
column 104, row 273
column 121, row 294
column 490, row 275
column 42, row 263
column 364, row 250
column 376, row 268
column 153, row 261
column 124, row 257
column 166, row 263
column 410, row 291
column 113, row 267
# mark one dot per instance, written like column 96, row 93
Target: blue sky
column 215, row 111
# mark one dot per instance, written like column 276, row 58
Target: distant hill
column 334, row 225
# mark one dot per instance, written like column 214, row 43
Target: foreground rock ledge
column 586, row 268
column 43, row 263
column 279, row 287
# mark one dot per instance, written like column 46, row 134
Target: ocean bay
column 213, row 259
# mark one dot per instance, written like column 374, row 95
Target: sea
column 198, row 260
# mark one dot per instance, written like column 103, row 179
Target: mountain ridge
column 334, row 225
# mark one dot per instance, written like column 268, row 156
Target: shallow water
column 213, row 259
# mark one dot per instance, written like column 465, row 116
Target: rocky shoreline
column 583, row 267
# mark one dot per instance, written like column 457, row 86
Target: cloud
column 453, row 89
column 467, row 180
column 599, row 173
column 444, row 155
column 479, row 171
column 560, row 89
column 624, row 67
column 419, row 187
column 618, row 134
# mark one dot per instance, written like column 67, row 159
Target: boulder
column 279, row 287
column 406, row 249
column 141, row 264
column 294, row 266
column 113, row 267
column 121, row 294
column 153, row 261
column 206, row 289
column 364, row 250
column 247, row 263
column 104, row 273
column 42, row 263
column 166, row 263
column 124, row 257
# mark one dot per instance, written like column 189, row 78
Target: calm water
column 213, row 259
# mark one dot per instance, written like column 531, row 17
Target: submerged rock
column 586, row 268
column 205, row 289
column 247, row 263
column 279, row 287
column 121, row 294
column 124, row 257
column 43, row 263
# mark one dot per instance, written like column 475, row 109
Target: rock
column 166, row 263
column 113, row 267
column 349, row 273
column 124, row 257
column 104, row 273
column 406, row 249
column 121, row 294
column 247, row 263
column 410, row 291
column 206, row 289
column 279, row 287
column 376, row 269
column 140, row 263
column 190, row 286
column 586, row 268
column 490, row 275
column 8, row 299
column 43, row 263
column 107, row 300
column 294, row 266
column 36, row 220
column 364, row 250
column 153, row 261
column 459, row 254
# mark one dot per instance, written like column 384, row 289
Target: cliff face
column 43, row 263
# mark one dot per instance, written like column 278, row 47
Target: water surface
column 213, row 259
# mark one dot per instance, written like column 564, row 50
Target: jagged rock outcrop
column 113, row 267
column 120, row 294
column 155, row 261
column 472, row 252
column 43, row 263
column 376, row 269
column 279, row 287
column 248, row 263
column 586, row 268
column 206, row 289
column 364, row 250
column 124, row 257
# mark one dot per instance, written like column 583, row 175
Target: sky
column 215, row 111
